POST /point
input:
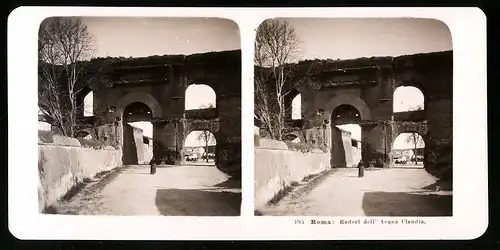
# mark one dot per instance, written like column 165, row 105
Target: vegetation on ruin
column 304, row 147
column 282, row 193
column 95, row 144
column 207, row 59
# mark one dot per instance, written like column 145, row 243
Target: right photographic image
column 353, row 117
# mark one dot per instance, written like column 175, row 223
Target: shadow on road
column 229, row 183
column 406, row 204
column 444, row 185
column 192, row 202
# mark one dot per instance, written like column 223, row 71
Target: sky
column 349, row 38
column 141, row 37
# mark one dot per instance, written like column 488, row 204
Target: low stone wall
column 276, row 166
column 62, row 166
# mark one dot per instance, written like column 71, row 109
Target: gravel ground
column 382, row 192
column 179, row 190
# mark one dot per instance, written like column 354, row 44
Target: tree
column 64, row 45
column 276, row 45
column 206, row 136
column 414, row 138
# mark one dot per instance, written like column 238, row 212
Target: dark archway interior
column 345, row 114
column 342, row 115
column 137, row 111
column 133, row 143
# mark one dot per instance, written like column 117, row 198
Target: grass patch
column 73, row 191
column 87, row 180
column 101, row 174
column 294, row 184
column 280, row 195
column 95, row 144
column 304, row 147
column 309, row 177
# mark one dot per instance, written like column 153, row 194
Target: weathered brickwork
column 368, row 85
column 160, row 82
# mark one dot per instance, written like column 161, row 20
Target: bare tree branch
column 64, row 45
column 276, row 48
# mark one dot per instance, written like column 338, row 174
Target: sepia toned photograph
column 139, row 116
column 353, row 117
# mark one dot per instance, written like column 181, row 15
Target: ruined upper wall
column 369, row 83
column 217, row 58
column 220, row 70
column 367, row 71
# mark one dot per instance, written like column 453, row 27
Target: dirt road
column 383, row 192
column 182, row 190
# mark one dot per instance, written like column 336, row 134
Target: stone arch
column 188, row 132
column 411, row 79
column 410, row 127
column 145, row 98
column 354, row 101
column 193, row 125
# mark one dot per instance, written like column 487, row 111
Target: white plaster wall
column 276, row 166
column 148, row 153
column 61, row 167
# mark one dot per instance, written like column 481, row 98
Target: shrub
column 302, row 147
column 280, row 195
column 379, row 163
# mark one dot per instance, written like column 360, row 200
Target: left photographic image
column 139, row 116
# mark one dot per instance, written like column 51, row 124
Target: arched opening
column 408, row 150
column 345, row 136
column 408, row 98
column 199, row 148
column 88, row 104
column 297, row 107
column 137, row 134
column 199, row 96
